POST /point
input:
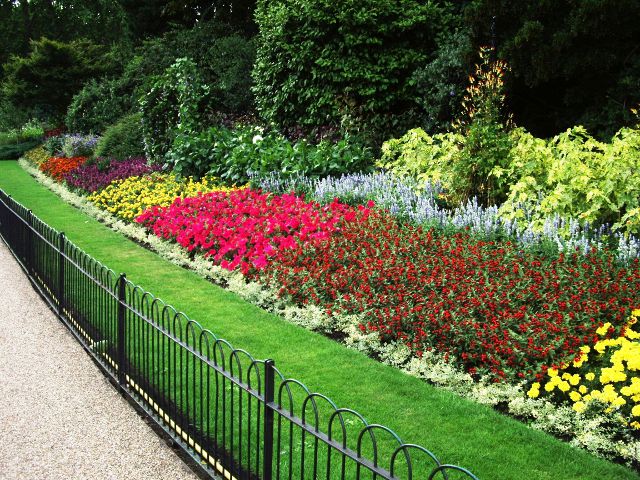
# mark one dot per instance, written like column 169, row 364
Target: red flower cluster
column 58, row 167
column 503, row 314
column 245, row 228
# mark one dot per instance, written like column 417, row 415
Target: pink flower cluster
column 245, row 228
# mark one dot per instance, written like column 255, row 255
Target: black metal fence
column 238, row 417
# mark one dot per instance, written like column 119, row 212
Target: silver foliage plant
column 419, row 204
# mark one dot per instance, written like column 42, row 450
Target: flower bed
column 100, row 173
column 500, row 313
column 58, row 167
column 245, row 228
column 128, row 198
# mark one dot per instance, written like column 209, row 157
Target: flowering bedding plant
column 602, row 375
column 245, row 228
column 100, row 173
column 58, row 167
column 127, row 198
column 500, row 313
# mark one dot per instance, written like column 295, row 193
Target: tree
column 46, row 79
column 330, row 63
column 572, row 62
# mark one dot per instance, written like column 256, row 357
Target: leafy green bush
column 123, row 139
column 233, row 155
column 224, row 60
column 52, row 73
column 327, row 62
column 53, row 145
column 30, row 131
column 574, row 175
column 172, row 107
column 99, row 104
column 16, row 150
column 471, row 161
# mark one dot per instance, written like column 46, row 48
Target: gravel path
column 59, row 416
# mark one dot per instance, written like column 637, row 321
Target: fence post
column 30, row 253
column 122, row 281
column 61, row 244
column 267, row 457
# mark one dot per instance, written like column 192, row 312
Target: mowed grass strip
column 458, row 431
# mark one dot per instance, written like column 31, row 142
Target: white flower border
column 590, row 432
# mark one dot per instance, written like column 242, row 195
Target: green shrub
column 224, row 60
column 53, row 145
column 328, row 63
column 172, row 107
column 16, row 150
column 123, row 139
column 234, row 155
column 99, row 104
column 574, row 175
column 30, row 131
column 52, row 73
column 473, row 160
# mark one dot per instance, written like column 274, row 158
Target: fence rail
column 238, row 417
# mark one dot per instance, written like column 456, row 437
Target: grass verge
column 456, row 430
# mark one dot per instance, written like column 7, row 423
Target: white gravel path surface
column 59, row 416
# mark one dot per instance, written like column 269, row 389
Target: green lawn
column 456, row 430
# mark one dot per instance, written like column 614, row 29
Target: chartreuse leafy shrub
column 471, row 159
column 326, row 62
column 129, row 197
column 171, row 107
column 604, row 377
column 574, row 175
column 122, row 140
column 571, row 175
column 234, row 154
column 99, row 104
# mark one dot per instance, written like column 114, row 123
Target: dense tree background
column 571, row 62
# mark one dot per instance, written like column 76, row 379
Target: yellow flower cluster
column 130, row 197
column 37, row 155
column 608, row 373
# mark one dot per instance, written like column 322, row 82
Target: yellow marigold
column 603, row 329
column 582, row 389
column 590, row 376
column 575, row 396
column 564, row 386
column 635, row 411
column 579, row 406
column 552, row 372
column 534, row 391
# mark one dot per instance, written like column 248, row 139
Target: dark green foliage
column 47, row 78
column 172, row 107
column 99, row 104
column 122, row 140
column 16, row 150
column 572, row 62
column 224, row 60
column 440, row 84
column 327, row 62
column 232, row 155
